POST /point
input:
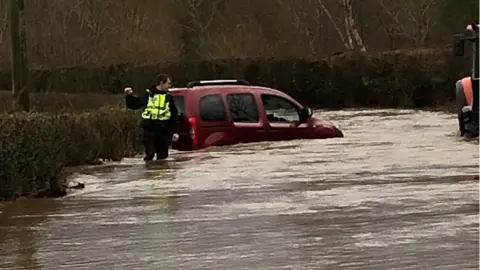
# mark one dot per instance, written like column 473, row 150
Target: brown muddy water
column 400, row 191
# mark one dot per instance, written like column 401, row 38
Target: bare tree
column 343, row 35
column 354, row 38
column 316, row 18
column 197, row 19
column 4, row 44
column 409, row 20
column 144, row 32
column 3, row 21
column 53, row 31
column 240, row 41
column 98, row 32
column 308, row 19
column 21, row 100
column 94, row 18
column 261, row 31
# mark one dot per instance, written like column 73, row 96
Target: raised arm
column 134, row 102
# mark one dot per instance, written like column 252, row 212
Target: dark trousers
column 156, row 141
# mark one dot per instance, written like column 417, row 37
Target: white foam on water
column 391, row 194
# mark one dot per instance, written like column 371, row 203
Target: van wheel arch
column 218, row 139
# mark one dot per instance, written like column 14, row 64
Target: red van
column 226, row 112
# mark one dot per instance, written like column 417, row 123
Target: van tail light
column 193, row 129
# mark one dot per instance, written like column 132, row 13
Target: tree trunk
column 20, row 95
column 351, row 27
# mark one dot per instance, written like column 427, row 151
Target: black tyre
column 461, row 124
column 460, row 101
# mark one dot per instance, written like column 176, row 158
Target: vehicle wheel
column 460, row 101
column 461, row 125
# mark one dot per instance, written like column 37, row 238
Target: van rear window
column 180, row 103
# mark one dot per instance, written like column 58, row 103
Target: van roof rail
column 217, row 82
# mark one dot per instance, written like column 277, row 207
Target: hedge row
column 35, row 147
column 64, row 102
column 391, row 79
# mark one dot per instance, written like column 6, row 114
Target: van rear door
column 184, row 142
column 214, row 126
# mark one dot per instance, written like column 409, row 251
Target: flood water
column 400, row 191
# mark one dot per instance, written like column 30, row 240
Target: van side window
column 212, row 108
column 279, row 109
column 243, row 108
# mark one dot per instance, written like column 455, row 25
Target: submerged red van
column 226, row 112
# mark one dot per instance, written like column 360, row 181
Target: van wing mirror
column 306, row 113
column 458, row 45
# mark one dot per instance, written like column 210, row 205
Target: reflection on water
column 400, row 191
column 19, row 222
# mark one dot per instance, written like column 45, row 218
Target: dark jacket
column 135, row 103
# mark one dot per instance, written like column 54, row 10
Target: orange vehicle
column 467, row 98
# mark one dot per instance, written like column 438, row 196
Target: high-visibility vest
column 157, row 108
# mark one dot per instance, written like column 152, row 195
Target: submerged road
column 400, row 191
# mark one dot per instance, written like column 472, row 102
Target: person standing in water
column 160, row 117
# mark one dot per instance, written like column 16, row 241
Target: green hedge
column 35, row 147
column 389, row 79
column 64, row 102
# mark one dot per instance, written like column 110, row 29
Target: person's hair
column 162, row 78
